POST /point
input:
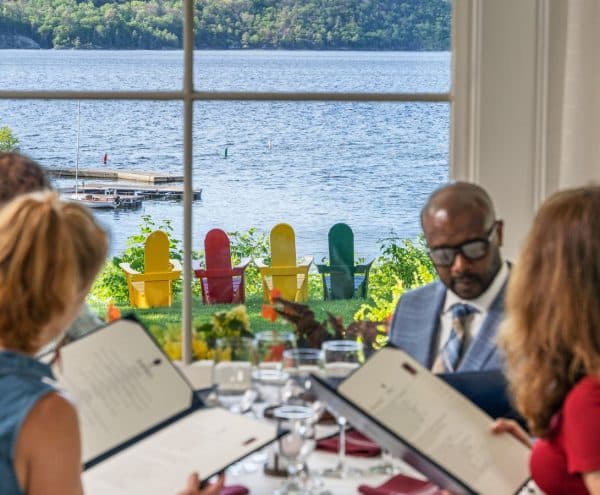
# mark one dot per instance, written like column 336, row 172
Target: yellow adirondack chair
column 153, row 287
column 284, row 274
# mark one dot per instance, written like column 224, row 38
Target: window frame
column 188, row 95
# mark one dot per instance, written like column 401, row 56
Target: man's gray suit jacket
column 415, row 329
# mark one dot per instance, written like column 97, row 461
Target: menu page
column 122, row 385
column 439, row 422
column 206, row 441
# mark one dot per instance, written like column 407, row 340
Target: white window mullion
column 188, row 119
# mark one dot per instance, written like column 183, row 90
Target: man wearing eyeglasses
column 450, row 325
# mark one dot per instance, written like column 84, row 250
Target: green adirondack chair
column 342, row 279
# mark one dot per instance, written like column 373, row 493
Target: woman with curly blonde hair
column 50, row 253
column 551, row 337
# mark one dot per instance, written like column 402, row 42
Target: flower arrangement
column 312, row 333
column 222, row 325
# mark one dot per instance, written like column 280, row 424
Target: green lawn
column 165, row 317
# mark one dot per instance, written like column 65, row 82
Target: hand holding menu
column 142, row 429
column 410, row 411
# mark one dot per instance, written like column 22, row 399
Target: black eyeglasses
column 472, row 250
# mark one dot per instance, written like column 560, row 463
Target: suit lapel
column 430, row 327
column 484, row 346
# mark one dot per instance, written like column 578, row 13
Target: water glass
column 298, row 421
column 234, row 357
column 300, row 363
column 269, row 384
column 270, row 346
column 340, row 358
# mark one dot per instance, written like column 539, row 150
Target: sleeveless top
column 23, row 381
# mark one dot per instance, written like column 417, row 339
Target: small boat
column 97, row 201
column 94, row 201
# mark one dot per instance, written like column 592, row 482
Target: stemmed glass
column 340, row 358
column 298, row 421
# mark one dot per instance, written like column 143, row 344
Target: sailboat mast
column 77, row 156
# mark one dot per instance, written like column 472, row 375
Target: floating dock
column 128, row 190
column 102, row 173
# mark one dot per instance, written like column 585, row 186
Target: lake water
column 307, row 164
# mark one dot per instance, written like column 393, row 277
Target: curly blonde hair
column 50, row 252
column 551, row 335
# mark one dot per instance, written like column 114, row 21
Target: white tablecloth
column 252, row 476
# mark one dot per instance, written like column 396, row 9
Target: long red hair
column 551, row 335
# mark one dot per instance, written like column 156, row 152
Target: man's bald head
column 456, row 215
column 458, row 197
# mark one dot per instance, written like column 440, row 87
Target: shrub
column 403, row 265
column 250, row 244
column 8, row 141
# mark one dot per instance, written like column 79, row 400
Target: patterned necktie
column 453, row 349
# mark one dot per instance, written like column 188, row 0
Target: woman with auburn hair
column 551, row 337
column 20, row 175
column 50, row 253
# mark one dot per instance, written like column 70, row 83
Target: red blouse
column 574, row 445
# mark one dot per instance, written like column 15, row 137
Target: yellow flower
column 173, row 350
column 240, row 314
column 199, row 348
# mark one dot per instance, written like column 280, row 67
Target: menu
column 143, row 429
column 410, row 411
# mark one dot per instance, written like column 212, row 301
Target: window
column 258, row 101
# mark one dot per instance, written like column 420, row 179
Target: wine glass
column 340, row 358
column 233, row 373
column 296, row 445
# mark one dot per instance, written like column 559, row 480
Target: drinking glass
column 234, row 357
column 298, row 421
column 270, row 346
column 299, row 364
column 340, row 358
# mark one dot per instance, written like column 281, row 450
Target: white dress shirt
column 481, row 304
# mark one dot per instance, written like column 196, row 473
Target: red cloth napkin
column 234, row 490
column 356, row 444
column 401, row 485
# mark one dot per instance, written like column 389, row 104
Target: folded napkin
column 401, row 485
column 234, row 490
column 356, row 444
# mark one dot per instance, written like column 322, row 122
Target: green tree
column 313, row 24
column 8, row 141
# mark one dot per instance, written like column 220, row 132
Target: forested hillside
column 292, row 24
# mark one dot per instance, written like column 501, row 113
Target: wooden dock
column 103, row 173
column 143, row 192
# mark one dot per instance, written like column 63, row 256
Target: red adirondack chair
column 221, row 283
